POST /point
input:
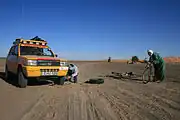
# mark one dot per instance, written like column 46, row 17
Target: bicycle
column 147, row 74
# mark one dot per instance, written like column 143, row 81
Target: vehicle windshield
column 26, row 50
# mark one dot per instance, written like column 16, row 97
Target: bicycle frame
column 148, row 68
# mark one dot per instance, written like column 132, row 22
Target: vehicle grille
column 48, row 63
column 49, row 70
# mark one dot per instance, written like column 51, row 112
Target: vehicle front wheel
column 22, row 81
column 61, row 80
column 7, row 74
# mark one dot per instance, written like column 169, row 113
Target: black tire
column 22, row 81
column 8, row 75
column 148, row 75
column 145, row 76
column 96, row 81
column 61, row 80
column 144, row 79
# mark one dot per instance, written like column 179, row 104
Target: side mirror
column 56, row 55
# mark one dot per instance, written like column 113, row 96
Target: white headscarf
column 150, row 51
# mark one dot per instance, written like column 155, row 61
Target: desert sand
column 116, row 99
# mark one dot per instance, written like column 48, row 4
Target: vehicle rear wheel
column 61, row 80
column 22, row 81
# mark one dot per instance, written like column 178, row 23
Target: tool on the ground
column 126, row 75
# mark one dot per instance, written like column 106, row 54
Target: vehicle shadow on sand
column 14, row 81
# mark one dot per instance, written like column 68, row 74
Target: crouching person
column 73, row 73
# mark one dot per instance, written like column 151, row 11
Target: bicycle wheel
column 146, row 76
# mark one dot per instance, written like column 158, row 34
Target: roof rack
column 35, row 42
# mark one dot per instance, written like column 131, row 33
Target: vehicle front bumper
column 35, row 71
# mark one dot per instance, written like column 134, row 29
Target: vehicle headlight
column 63, row 63
column 31, row 63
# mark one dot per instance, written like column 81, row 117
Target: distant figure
column 159, row 65
column 73, row 73
column 109, row 59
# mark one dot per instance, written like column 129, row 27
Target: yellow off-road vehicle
column 34, row 59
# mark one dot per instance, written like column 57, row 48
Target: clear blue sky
column 94, row 29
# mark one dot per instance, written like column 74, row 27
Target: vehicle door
column 13, row 60
column 8, row 59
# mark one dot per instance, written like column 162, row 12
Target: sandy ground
column 113, row 100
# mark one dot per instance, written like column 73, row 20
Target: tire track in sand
column 98, row 107
column 75, row 103
column 141, row 105
column 46, row 108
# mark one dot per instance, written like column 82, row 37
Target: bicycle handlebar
column 148, row 64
